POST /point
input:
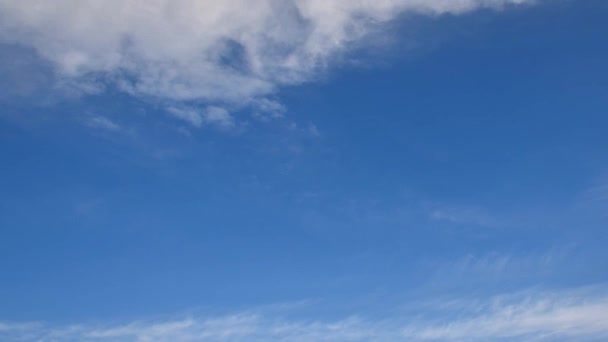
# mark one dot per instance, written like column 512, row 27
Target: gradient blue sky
column 441, row 174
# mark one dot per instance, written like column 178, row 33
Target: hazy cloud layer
column 232, row 52
column 575, row 315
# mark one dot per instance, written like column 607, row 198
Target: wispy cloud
column 462, row 215
column 101, row 122
column 265, row 109
column 577, row 315
column 595, row 197
column 212, row 115
column 492, row 272
column 233, row 52
column 573, row 315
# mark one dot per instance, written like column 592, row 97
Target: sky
column 303, row 170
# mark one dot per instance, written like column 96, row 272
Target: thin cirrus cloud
column 212, row 115
column 231, row 53
column 103, row 123
column 573, row 315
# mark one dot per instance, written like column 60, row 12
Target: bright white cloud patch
column 577, row 315
column 229, row 51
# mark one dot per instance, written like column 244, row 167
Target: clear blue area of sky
column 486, row 141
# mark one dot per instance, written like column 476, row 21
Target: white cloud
column 578, row 315
column 218, row 116
column 574, row 315
column 223, row 52
column 462, row 215
column 192, row 116
column 265, row 109
column 313, row 130
column 101, row 122
column 212, row 115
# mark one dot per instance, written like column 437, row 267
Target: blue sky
column 303, row 170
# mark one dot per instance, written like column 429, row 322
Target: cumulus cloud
column 574, row 315
column 232, row 52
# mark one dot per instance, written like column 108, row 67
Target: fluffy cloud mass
column 205, row 51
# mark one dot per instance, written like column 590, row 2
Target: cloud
column 578, row 315
column 232, row 52
column 573, row 315
column 218, row 116
column 265, row 109
column 101, row 122
column 595, row 198
column 313, row 130
column 212, row 115
column 505, row 271
column 462, row 215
